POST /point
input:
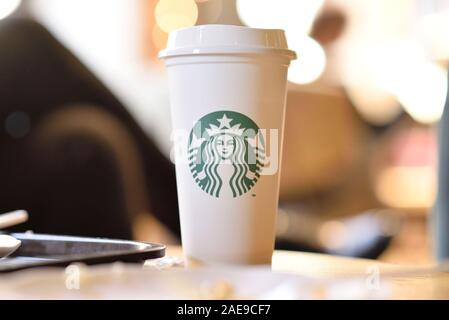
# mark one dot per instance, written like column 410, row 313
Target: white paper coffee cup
column 227, row 94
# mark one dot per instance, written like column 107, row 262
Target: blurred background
column 85, row 118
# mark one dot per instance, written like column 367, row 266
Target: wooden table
column 405, row 282
column 322, row 277
column 316, row 265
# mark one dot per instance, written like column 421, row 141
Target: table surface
column 332, row 277
column 317, row 265
column 404, row 281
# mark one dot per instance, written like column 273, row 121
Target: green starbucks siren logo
column 226, row 153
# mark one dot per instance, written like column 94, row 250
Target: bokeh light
column 405, row 166
column 293, row 16
column 422, row 92
column 311, row 60
column 332, row 234
column 159, row 37
column 296, row 19
column 175, row 14
column 7, row 7
column 373, row 103
column 407, row 186
column 370, row 76
column 433, row 30
column 400, row 71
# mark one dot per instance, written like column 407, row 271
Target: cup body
column 228, row 116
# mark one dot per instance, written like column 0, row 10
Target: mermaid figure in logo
column 224, row 147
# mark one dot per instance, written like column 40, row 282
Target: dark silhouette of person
column 70, row 153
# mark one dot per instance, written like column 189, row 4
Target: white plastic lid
column 215, row 38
